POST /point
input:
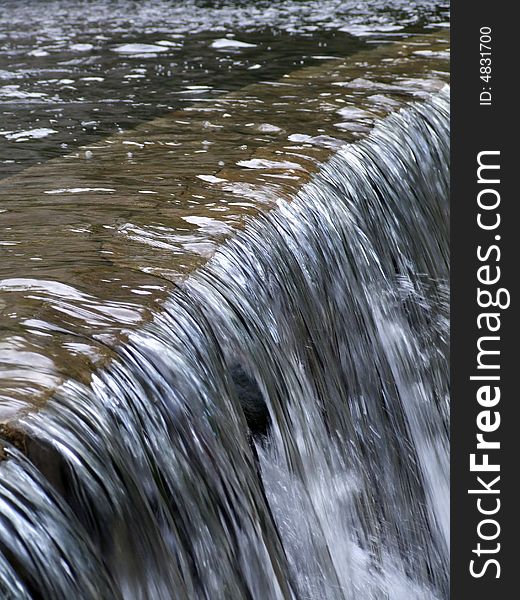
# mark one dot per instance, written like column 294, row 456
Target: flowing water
column 224, row 300
column 136, row 213
column 71, row 71
column 336, row 305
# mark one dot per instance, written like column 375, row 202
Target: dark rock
column 253, row 403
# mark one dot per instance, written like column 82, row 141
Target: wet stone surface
column 93, row 241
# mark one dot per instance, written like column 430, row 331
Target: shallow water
column 72, row 72
column 135, row 213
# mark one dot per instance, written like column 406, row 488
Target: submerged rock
column 252, row 402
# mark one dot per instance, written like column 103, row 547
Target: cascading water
column 336, row 306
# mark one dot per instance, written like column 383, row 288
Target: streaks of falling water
column 336, row 304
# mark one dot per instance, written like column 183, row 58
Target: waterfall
column 327, row 320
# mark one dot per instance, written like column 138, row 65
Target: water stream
column 329, row 315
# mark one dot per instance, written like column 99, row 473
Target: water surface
column 72, row 71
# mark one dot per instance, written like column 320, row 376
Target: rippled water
column 72, row 71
